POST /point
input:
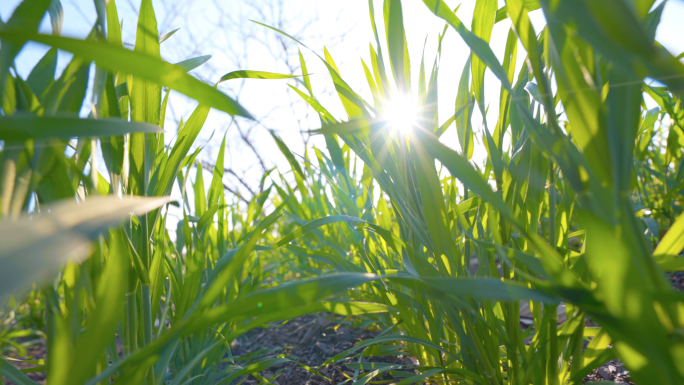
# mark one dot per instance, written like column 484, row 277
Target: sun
column 401, row 112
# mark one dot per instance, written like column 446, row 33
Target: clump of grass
column 174, row 305
column 572, row 212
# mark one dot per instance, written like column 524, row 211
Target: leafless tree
column 238, row 43
column 224, row 30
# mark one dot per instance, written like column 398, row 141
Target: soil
column 677, row 279
column 35, row 353
column 311, row 340
column 611, row 371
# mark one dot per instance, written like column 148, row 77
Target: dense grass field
column 575, row 215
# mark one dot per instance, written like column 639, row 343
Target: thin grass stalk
column 552, row 315
column 513, row 327
column 146, row 296
column 94, row 174
column 131, row 327
column 147, row 325
column 552, row 363
column 9, row 171
column 50, row 326
column 466, row 264
column 577, row 349
column 511, row 309
column 21, row 189
column 484, row 356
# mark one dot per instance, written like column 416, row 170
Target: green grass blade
column 101, row 322
column 43, row 74
column 168, row 35
column 65, row 233
column 246, row 74
column 22, row 127
column 27, row 15
column 113, row 59
column 396, row 43
column 14, row 374
column 192, row 63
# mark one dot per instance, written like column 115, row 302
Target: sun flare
column 402, row 112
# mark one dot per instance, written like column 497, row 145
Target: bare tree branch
column 236, row 43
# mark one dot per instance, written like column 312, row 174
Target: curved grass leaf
column 190, row 64
column 464, row 112
column 381, row 339
column 283, row 297
column 28, row 16
column 43, row 74
column 345, row 308
column 186, row 137
column 672, row 243
column 194, row 362
column 396, row 43
column 316, row 223
column 113, row 59
column 248, row 74
column 37, row 245
column 287, row 153
column 17, row 127
column 168, row 35
column 480, row 288
column 15, row 375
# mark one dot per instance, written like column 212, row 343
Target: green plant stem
column 9, row 173
column 512, row 309
column 147, row 325
column 466, row 264
column 552, row 311
column 552, row 371
column 552, row 206
column 50, row 325
column 489, row 369
column 513, row 330
column 131, row 315
column 578, row 346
